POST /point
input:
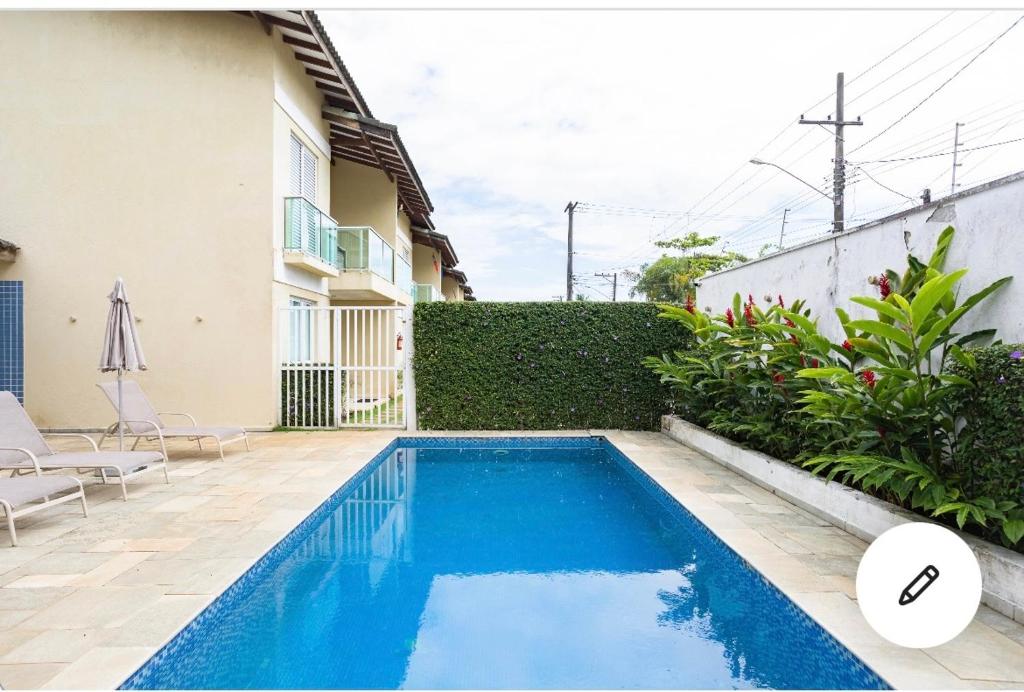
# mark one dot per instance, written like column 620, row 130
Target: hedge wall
column 993, row 445
column 540, row 366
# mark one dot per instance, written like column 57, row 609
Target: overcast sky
column 509, row 115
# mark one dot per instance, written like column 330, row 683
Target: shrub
column 990, row 445
column 534, row 366
column 882, row 411
column 307, row 395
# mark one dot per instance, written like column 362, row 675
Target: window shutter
column 309, row 192
column 295, row 156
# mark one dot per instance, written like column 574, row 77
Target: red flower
column 803, row 363
column 789, row 323
column 868, row 378
column 881, row 432
column 729, row 317
column 690, row 307
column 848, row 346
column 883, row 286
column 778, row 378
column 750, row 299
column 814, row 362
column 748, row 314
column 782, row 303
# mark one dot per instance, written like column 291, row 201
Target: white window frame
column 300, row 330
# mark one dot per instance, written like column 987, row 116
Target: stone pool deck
column 84, row 602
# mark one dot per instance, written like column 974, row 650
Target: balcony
column 310, row 238
column 370, row 269
column 426, row 293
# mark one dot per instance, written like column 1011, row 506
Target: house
column 228, row 167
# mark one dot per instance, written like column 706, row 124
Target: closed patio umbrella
column 121, row 348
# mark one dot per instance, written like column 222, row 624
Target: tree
column 671, row 278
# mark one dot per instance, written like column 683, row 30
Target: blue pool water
column 512, row 563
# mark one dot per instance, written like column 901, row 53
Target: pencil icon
column 918, row 584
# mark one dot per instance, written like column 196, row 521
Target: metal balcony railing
column 310, row 230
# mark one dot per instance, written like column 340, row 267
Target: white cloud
column 508, row 115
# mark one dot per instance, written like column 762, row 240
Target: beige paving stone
column 39, row 581
column 111, row 568
column 146, row 545
column 982, row 653
column 101, row 668
column 94, row 607
column 181, row 504
column 28, row 676
column 154, row 625
column 56, row 646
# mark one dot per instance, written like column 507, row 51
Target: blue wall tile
column 12, row 341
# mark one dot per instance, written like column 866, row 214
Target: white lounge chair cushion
column 220, row 432
column 20, row 491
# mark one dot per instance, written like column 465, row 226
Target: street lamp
column 759, row 162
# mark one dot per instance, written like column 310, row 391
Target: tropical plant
column 672, row 278
column 885, row 410
column 898, row 413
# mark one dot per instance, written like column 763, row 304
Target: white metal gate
column 344, row 366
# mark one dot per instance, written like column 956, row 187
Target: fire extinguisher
column 398, row 342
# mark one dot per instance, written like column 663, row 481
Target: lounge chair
column 29, row 494
column 24, row 449
column 141, row 420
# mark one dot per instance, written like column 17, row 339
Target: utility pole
column 570, row 207
column 956, row 147
column 839, row 173
column 614, row 276
column 782, row 231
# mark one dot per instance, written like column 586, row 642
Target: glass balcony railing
column 363, row 250
column 403, row 274
column 426, row 293
column 309, row 230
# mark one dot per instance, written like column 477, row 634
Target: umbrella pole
column 120, row 416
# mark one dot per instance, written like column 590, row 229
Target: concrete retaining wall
column 862, row 515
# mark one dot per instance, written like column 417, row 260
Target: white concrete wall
column 989, row 241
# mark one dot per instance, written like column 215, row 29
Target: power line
column 940, row 87
column 944, row 153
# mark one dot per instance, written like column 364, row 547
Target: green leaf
column 1013, row 529
column 882, row 307
column 930, row 294
column 884, row 331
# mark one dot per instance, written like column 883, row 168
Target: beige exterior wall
column 139, row 144
column 451, row 289
column 363, row 196
column 425, row 263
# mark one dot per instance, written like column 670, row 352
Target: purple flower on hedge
column 1001, row 380
column 519, row 356
column 1017, row 355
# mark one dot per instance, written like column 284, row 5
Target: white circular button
column 918, row 585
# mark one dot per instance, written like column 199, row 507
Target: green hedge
column 992, row 443
column 540, row 366
column 307, row 395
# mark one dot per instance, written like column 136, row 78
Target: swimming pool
column 502, row 563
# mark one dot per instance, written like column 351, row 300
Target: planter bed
column 858, row 513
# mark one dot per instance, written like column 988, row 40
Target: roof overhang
column 355, row 134
column 438, row 241
column 457, row 274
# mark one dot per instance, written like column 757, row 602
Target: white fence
column 344, row 366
